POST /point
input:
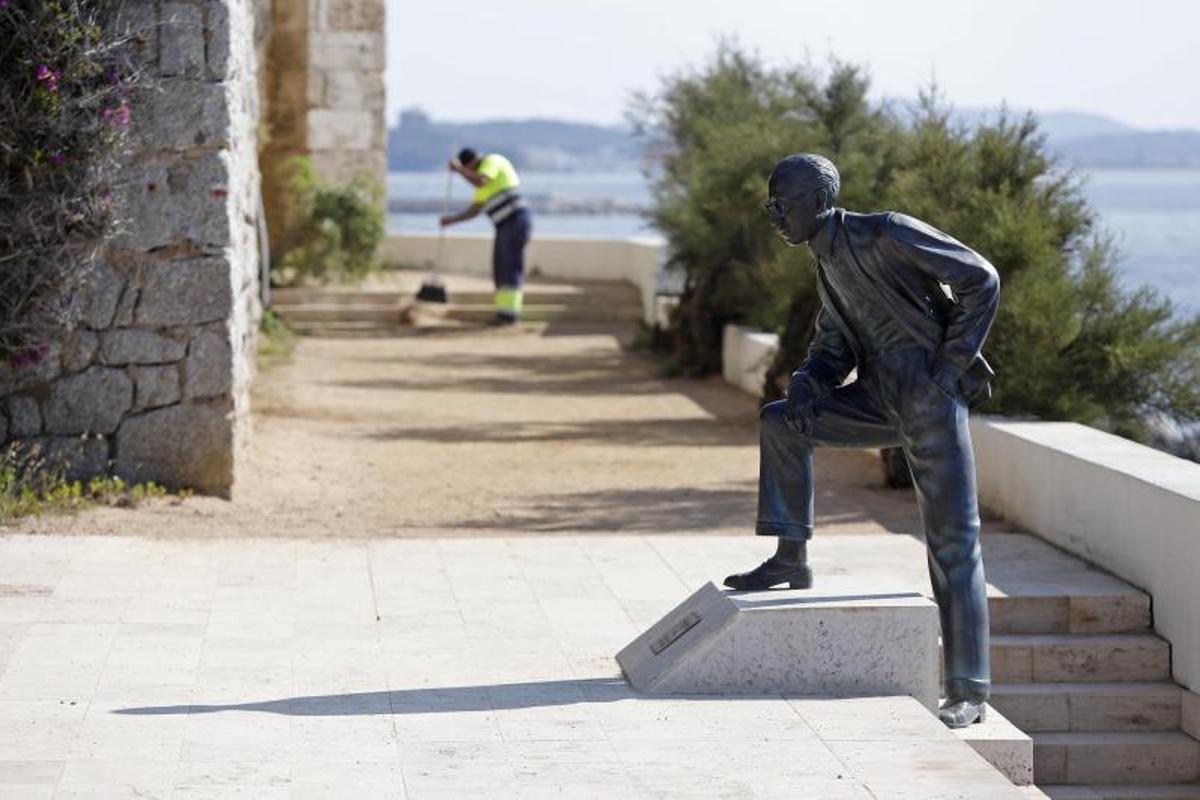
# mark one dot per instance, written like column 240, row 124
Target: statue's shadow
column 440, row 700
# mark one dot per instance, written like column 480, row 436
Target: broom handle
column 437, row 262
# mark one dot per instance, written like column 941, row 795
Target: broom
column 433, row 288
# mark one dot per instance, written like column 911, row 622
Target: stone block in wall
column 100, row 298
column 25, row 419
column 92, row 401
column 209, row 365
column 137, row 22
column 79, row 457
column 341, row 130
column 339, row 166
column 359, row 50
column 79, row 350
column 219, row 40
column 355, row 15
column 181, row 37
column 137, row 346
column 289, row 16
column 45, row 369
column 185, row 200
column 182, row 114
column 353, row 90
column 129, row 299
column 188, row 292
column 156, row 386
column 183, row 446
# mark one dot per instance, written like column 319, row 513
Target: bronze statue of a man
column 910, row 308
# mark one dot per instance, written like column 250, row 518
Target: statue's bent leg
column 937, row 444
column 846, row 417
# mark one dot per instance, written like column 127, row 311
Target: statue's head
column 803, row 189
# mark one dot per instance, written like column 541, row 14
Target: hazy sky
column 580, row 59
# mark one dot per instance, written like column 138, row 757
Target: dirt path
column 495, row 432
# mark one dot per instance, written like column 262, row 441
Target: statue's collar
column 822, row 243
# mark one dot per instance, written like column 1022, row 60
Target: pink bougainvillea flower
column 118, row 115
column 48, row 76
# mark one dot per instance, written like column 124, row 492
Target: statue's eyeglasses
column 777, row 208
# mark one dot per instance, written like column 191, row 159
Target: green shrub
column 276, row 341
column 332, row 232
column 1069, row 343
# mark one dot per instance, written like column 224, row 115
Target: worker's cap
column 467, row 155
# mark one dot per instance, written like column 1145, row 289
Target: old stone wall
column 154, row 383
column 324, row 93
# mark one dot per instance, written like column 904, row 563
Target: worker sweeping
column 495, row 181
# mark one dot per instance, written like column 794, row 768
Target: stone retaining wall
column 154, row 384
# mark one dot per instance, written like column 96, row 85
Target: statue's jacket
column 941, row 292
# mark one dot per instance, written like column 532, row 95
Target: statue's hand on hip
column 802, row 397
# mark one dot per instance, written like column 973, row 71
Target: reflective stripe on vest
column 499, row 207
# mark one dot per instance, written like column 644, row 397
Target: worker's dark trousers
column 508, row 261
column 894, row 402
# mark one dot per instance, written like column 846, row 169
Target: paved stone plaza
column 515, row 507
column 421, row 668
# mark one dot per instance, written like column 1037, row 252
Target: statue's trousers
column 894, row 402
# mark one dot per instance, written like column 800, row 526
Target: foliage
column 276, row 341
column 1070, row 341
column 716, row 135
column 66, row 78
column 32, row 484
column 332, row 232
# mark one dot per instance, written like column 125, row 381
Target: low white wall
column 1129, row 508
column 567, row 258
column 746, row 354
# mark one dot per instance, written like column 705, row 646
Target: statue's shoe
column 770, row 574
column 961, row 713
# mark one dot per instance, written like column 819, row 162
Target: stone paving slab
column 418, row 668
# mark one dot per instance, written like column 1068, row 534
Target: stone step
column 548, row 312
column 333, row 312
column 1129, row 757
column 1120, row 610
column 1184, row 791
column 1092, row 658
column 1000, row 743
column 346, row 297
column 347, row 329
column 1035, row 707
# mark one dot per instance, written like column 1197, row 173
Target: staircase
column 1081, row 672
column 388, row 309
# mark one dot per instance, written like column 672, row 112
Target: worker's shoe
column 501, row 320
column 961, row 713
column 772, row 573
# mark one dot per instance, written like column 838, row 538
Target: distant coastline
column 418, row 142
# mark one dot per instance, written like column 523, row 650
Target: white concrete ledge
column 636, row 260
column 1129, row 508
column 746, row 355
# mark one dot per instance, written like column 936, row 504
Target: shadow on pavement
column 499, row 697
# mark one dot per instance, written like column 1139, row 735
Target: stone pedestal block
column 790, row 642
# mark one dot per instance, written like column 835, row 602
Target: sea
column 1153, row 216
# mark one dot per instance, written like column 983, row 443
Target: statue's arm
column 830, row 357
column 973, row 281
